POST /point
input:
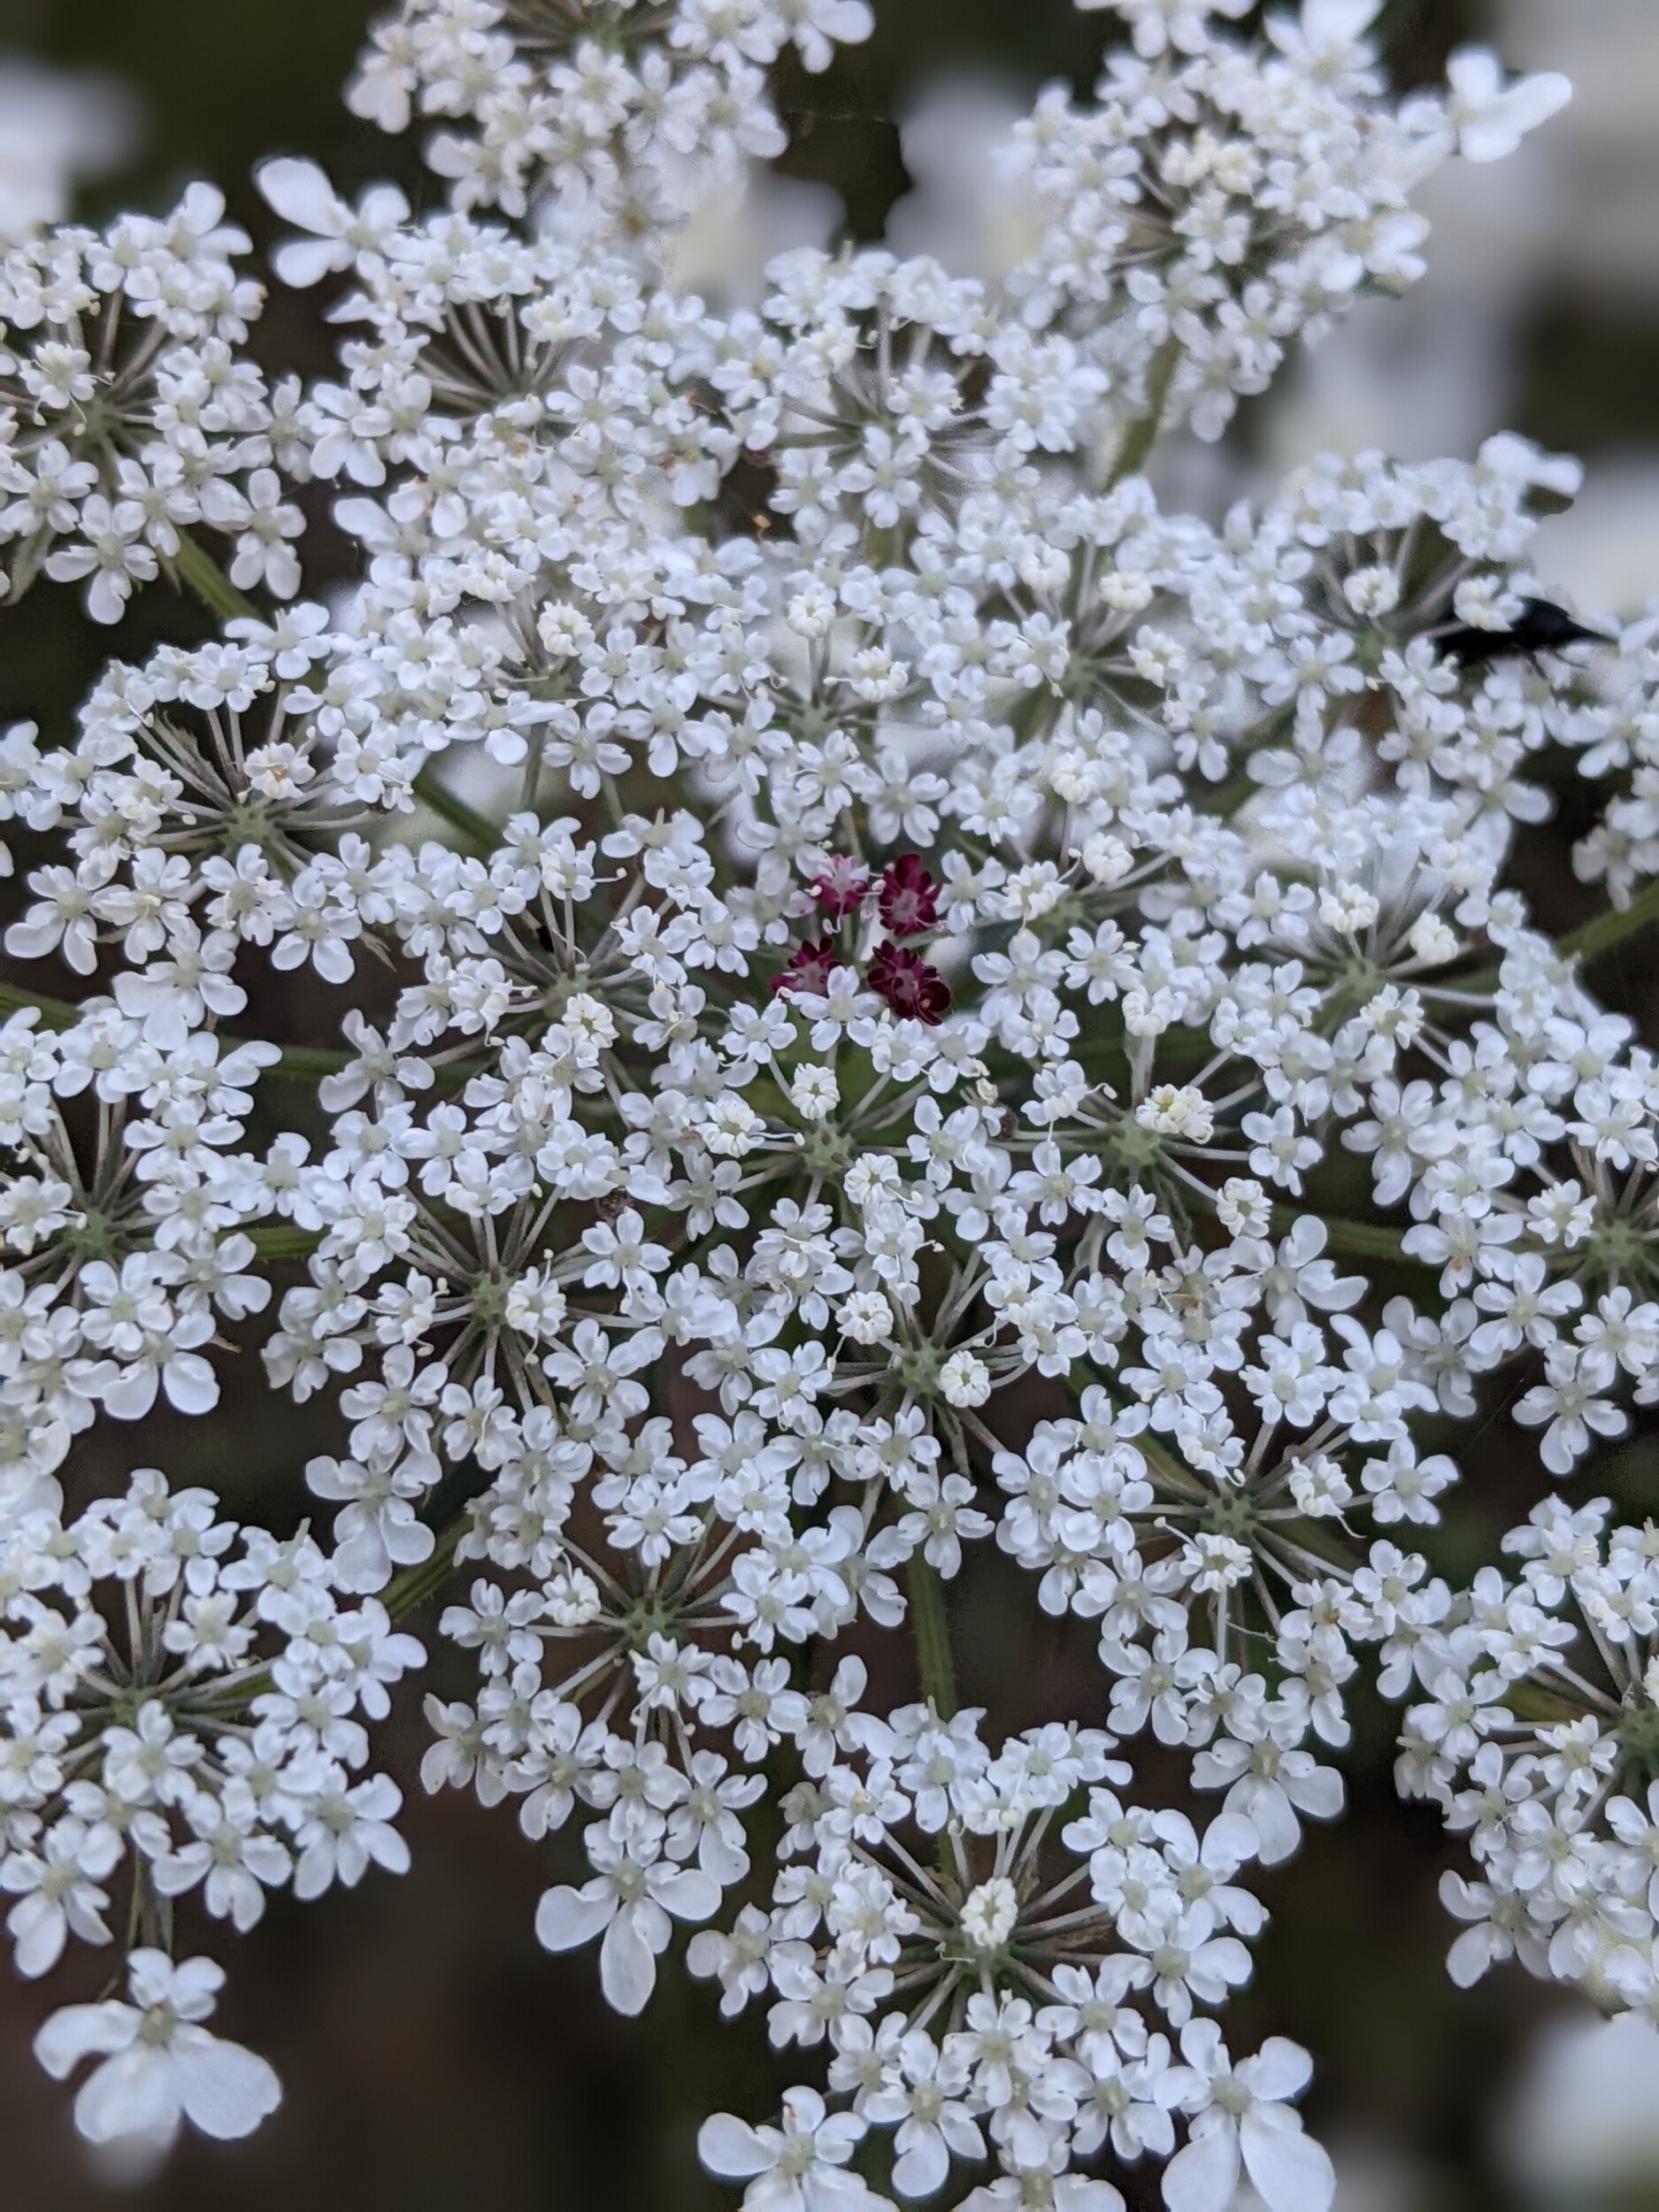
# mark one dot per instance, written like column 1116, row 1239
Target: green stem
column 480, row 834
column 193, row 566
column 930, row 1627
column 1141, row 435
column 57, row 1013
column 1612, row 928
column 281, row 1240
column 411, row 1588
column 1363, row 1239
column 305, row 1064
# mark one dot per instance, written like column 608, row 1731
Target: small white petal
column 566, row 1918
column 628, row 1965
column 300, row 193
column 1202, row 2176
column 1290, row 2172
column 226, row 2090
column 730, row 2147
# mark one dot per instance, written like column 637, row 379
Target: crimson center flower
column 841, row 886
column 904, row 979
column 909, row 897
column 809, row 968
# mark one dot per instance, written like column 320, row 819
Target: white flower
column 1240, row 2114
column 866, row 1318
column 801, row 2167
column 989, row 1914
column 1432, row 940
column 347, row 1830
column 300, row 194
column 1337, row 23
column 60, row 1894
column 814, row 1091
column 1490, row 117
column 628, row 1901
column 964, row 1380
column 160, row 2064
column 1177, row 1110
column 1567, row 1405
column 1158, row 23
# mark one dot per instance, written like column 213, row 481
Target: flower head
column 159, row 2065
column 910, row 987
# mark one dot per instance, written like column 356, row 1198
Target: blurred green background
column 431, row 2054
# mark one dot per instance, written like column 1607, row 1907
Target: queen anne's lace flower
column 864, row 1080
column 160, row 2065
column 127, row 417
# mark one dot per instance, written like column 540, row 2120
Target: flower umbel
column 869, row 1076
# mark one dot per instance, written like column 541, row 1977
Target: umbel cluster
column 898, row 1002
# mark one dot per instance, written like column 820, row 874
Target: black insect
column 1543, row 628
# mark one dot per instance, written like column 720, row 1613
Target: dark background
column 431, row 2052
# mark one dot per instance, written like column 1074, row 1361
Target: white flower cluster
column 128, row 414
column 884, row 964
column 1541, row 1742
column 180, row 1700
column 120, row 1263
column 628, row 109
column 1612, row 729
